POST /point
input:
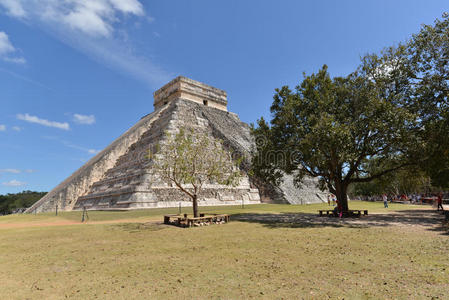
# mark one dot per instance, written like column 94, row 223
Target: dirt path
column 66, row 223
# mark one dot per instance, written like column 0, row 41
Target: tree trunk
column 342, row 198
column 195, row 206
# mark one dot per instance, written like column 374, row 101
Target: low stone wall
column 169, row 197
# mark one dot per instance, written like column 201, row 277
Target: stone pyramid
column 120, row 177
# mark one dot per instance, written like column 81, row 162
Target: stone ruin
column 120, row 177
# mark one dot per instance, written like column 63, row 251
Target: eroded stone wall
column 78, row 184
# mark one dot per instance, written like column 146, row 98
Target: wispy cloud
column 8, row 52
column 84, row 149
column 17, row 128
column 71, row 145
column 14, row 171
column 84, row 119
column 2, row 127
column 44, row 122
column 26, row 79
column 95, row 28
column 14, row 183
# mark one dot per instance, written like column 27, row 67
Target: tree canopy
column 12, row 202
column 416, row 75
column 428, row 66
column 334, row 129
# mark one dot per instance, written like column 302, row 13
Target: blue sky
column 75, row 74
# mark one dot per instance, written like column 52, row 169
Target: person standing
column 385, row 199
column 440, row 201
column 339, row 208
column 329, row 199
column 334, row 199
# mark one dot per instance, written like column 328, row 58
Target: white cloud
column 95, row 28
column 14, row 183
column 84, row 119
column 14, row 171
column 13, row 7
column 90, row 17
column 17, row 128
column 5, row 45
column 93, row 151
column 29, row 171
column 37, row 120
column 2, row 127
column 7, row 51
column 93, row 17
column 129, row 6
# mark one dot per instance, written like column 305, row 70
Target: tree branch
column 368, row 179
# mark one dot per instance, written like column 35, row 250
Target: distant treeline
column 12, row 203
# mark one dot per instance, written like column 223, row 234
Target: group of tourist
column 413, row 199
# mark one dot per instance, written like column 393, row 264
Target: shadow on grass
column 427, row 219
column 139, row 227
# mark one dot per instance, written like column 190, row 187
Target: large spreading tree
column 393, row 111
column 191, row 160
column 342, row 130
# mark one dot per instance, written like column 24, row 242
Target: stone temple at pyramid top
column 188, row 89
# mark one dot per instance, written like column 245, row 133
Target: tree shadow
column 139, row 227
column 426, row 219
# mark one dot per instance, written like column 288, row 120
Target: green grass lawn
column 239, row 260
column 155, row 214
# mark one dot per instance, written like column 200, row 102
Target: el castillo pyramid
column 120, row 177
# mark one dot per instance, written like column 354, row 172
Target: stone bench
column 327, row 211
column 184, row 221
column 353, row 212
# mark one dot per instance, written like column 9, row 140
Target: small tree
column 191, row 160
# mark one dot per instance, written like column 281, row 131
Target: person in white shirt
column 385, row 199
